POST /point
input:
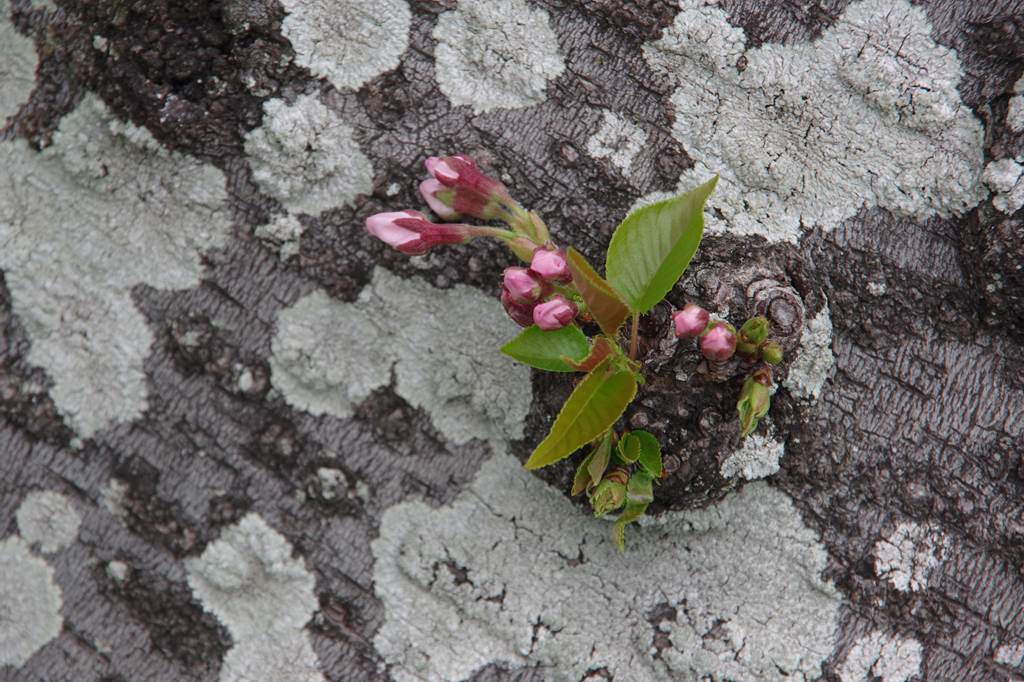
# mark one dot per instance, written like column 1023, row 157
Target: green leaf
column 650, row 452
column 581, row 481
column 639, row 494
column 593, row 407
column 641, row 446
column 629, row 448
column 652, row 247
column 602, row 457
column 593, row 466
column 548, row 350
column 604, row 303
column 600, row 349
column 639, row 489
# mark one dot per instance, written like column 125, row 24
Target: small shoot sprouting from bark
column 557, row 295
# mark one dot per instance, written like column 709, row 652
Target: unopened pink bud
column 472, row 192
column 430, row 189
column 691, row 321
column 441, row 169
column 411, row 233
column 550, row 265
column 520, row 314
column 384, row 227
column 719, row 343
column 554, row 314
column 523, row 287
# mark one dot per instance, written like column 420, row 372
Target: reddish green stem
column 634, row 336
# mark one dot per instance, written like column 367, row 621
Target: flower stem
column 496, row 232
column 633, row 339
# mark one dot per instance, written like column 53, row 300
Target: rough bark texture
column 909, row 465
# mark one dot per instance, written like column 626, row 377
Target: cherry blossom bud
column 610, row 493
column 691, row 321
column 754, row 330
column 554, row 314
column 442, row 170
column 438, row 197
column 719, row 343
column 472, row 192
column 520, row 314
column 522, row 287
column 771, row 352
column 411, row 233
column 755, row 400
column 550, row 265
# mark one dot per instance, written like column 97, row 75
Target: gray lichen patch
column 877, row 656
column 757, row 457
column 101, row 210
column 30, row 603
column 274, row 656
column 17, row 67
column 48, row 520
column 1005, row 178
column 283, row 234
column 348, row 42
column 808, row 134
column 814, row 361
column 441, row 346
column 908, row 556
column 618, row 140
column 496, row 54
column 1015, row 110
column 305, row 156
column 512, row 573
column 249, row 580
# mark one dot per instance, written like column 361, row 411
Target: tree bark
column 908, row 463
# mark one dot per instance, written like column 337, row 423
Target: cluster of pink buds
column 457, row 188
column 717, row 339
column 528, row 294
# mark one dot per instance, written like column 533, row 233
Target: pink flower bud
column 441, row 170
column 719, row 343
column 550, row 265
column 554, row 314
column 432, row 191
column 473, row 193
column 520, row 314
column 411, row 233
column 384, row 226
column 691, row 321
column 523, row 287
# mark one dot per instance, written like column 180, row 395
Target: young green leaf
column 549, row 350
column 581, row 481
column 593, row 407
column 599, row 350
column 652, row 247
column 605, row 304
column 639, row 489
column 629, row 448
column 602, row 456
column 650, row 452
column 639, row 494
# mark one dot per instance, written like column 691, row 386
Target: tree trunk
column 243, row 440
